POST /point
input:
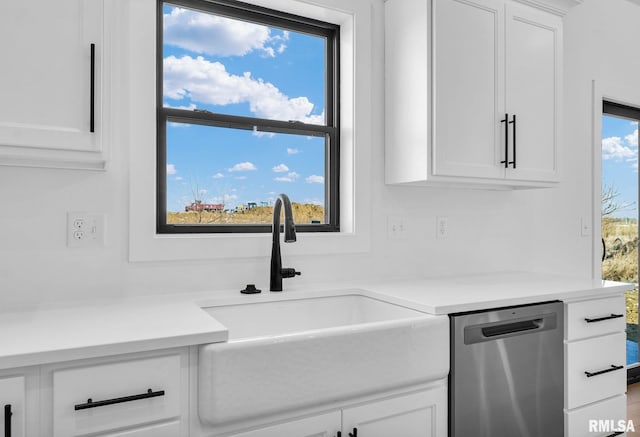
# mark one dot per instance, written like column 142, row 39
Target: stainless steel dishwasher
column 507, row 377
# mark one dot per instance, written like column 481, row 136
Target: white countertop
column 87, row 330
column 92, row 330
column 447, row 295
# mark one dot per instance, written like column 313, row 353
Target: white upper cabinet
column 51, row 111
column 468, row 76
column 533, row 85
column 476, row 101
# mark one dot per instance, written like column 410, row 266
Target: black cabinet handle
column 91, row 404
column 514, row 141
column 92, row 94
column 355, row 433
column 7, row 420
column 506, row 141
column 615, row 434
column 600, row 319
column 613, row 368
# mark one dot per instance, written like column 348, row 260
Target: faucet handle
column 289, row 272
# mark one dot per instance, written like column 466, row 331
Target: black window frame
column 331, row 130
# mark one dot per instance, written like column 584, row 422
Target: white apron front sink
column 289, row 355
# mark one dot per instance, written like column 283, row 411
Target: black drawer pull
column 514, row 141
column 600, row 319
column 613, row 368
column 92, row 90
column 615, row 434
column 506, row 141
column 91, row 404
column 7, row 420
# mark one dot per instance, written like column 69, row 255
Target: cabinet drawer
column 595, row 317
column 597, row 356
column 12, row 394
column 577, row 422
column 119, row 394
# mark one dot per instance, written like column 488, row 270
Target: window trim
column 629, row 112
column 361, row 142
column 239, row 10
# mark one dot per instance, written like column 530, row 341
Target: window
column 247, row 108
column 620, row 212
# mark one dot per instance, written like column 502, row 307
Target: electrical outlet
column 85, row 229
column 442, row 227
column 396, row 228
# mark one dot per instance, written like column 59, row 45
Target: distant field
column 302, row 213
column 621, row 258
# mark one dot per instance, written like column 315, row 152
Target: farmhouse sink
column 299, row 354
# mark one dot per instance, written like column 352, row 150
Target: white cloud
column 243, row 166
column 171, row 169
column 191, row 107
column 315, row 179
column 207, row 82
column 290, row 177
column 240, row 178
column 280, row 168
column 292, row 151
column 632, row 139
column 215, row 35
column 614, row 148
column 218, row 176
column 178, row 178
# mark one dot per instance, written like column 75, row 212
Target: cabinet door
column 46, row 79
column 534, row 70
column 422, row 414
column 324, row 425
column 12, row 405
column 468, row 92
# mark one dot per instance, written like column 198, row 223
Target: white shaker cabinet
column 418, row 414
column 13, row 405
column 51, row 110
column 104, row 397
column 421, row 414
column 595, row 372
column 454, row 70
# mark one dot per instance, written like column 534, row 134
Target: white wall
column 489, row 230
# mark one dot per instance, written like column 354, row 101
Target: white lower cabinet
column 596, row 420
column 418, row 414
column 13, row 405
column 421, row 414
column 140, row 395
column 595, row 371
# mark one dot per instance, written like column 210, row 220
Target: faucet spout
column 277, row 272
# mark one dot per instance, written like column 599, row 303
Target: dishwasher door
column 507, row 377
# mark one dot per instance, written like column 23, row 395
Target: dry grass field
column 302, row 213
column 621, row 258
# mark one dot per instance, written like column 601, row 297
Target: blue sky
column 620, row 161
column 240, row 68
